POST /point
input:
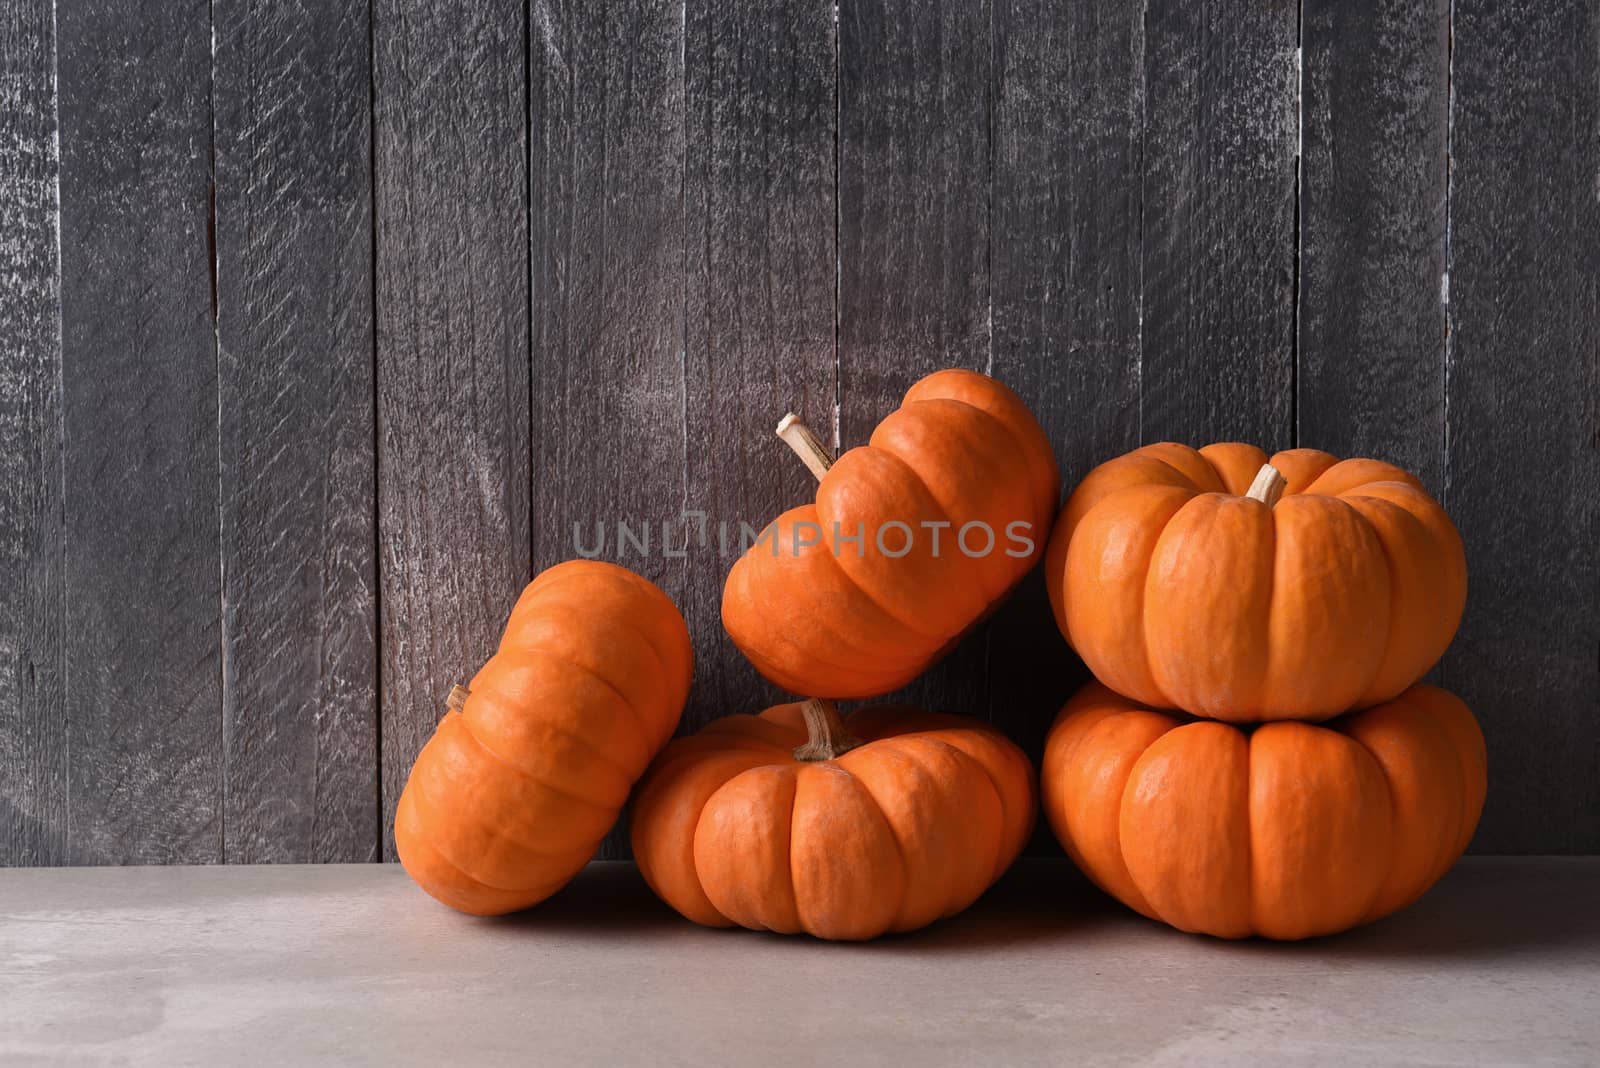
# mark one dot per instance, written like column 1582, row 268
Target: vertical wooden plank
column 913, row 232
column 1219, row 221
column 1523, row 411
column 452, row 365
column 610, row 415
column 608, row 254
column 1068, row 113
column 1372, row 219
column 140, row 404
column 294, row 330
column 33, row 729
column 761, row 262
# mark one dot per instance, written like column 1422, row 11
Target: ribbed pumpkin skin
column 961, row 448
column 1181, row 593
column 513, row 793
column 1290, row 831
column 730, row 829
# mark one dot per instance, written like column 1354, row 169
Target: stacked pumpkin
column 1262, row 598
column 1237, row 590
column 802, row 820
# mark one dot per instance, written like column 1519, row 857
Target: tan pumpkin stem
column 457, row 700
column 799, row 437
column 1268, row 486
column 827, row 736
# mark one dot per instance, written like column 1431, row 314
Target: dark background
column 322, row 323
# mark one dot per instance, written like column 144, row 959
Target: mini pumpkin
column 1288, row 830
column 530, row 766
column 911, row 540
column 799, row 820
column 1218, row 582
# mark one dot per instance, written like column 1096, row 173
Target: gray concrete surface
column 351, row 963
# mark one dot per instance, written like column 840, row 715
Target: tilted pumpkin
column 529, row 768
column 799, row 820
column 948, row 505
column 1288, row 831
column 1232, row 587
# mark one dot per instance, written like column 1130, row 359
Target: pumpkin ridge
column 591, row 751
column 1122, row 806
column 627, row 622
column 894, row 832
column 1005, row 398
column 943, row 511
column 436, row 857
column 788, row 850
column 771, row 671
column 426, row 802
column 612, row 572
column 602, row 806
column 1449, row 855
column 634, row 713
column 605, row 684
column 868, row 595
column 599, row 753
column 1422, row 711
column 1250, row 828
column 665, row 780
column 1373, row 912
column 948, row 514
column 440, row 857
column 1391, row 572
column 1144, row 599
column 1023, row 447
column 1000, row 860
column 1180, row 472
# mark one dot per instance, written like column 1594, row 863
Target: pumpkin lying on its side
column 1288, row 831
column 787, row 822
column 527, row 772
column 1215, row 582
column 950, row 505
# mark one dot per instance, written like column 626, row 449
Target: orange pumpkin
column 950, row 502
column 797, row 820
column 529, row 768
column 1287, row 831
column 1230, row 587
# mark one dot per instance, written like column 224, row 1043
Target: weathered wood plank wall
column 321, row 329
column 293, row 248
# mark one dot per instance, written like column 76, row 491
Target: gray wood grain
column 139, row 396
column 1371, row 328
column 1068, row 115
column 1523, row 400
column 450, row 173
column 914, row 240
column 294, row 330
column 33, row 727
column 760, row 276
column 1218, row 222
column 608, row 253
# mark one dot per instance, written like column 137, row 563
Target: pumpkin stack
column 1255, row 757
column 799, row 819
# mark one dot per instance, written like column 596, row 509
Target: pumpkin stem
column 1268, row 486
column 799, row 437
column 828, row 738
column 457, row 700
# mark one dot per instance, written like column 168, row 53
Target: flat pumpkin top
column 1230, row 468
